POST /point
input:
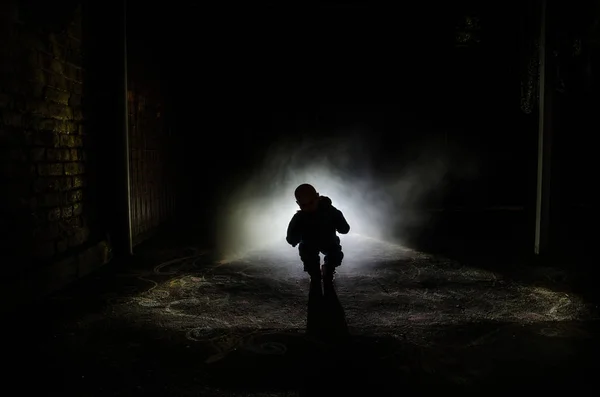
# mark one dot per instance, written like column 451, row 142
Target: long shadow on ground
column 115, row 357
column 119, row 333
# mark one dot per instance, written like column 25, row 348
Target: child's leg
column 310, row 258
column 333, row 258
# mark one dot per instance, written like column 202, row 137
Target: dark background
column 237, row 72
column 124, row 127
column 239, row 76
column 211, row 88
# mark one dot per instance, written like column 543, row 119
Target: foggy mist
column 380, row 199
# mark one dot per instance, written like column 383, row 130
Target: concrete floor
column 178, row 322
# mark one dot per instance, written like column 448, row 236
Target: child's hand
column 293, row 241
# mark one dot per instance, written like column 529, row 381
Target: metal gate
column 150, row 145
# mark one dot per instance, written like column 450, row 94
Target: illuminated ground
column 180, row 323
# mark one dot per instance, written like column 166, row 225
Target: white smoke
column 377, row 202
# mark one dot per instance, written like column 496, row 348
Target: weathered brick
column 67, row 211
column 74, row 196
column 38, row 154
column 43, row 124
column 58, row 112
column 54, row 95
column 65, row 184
column 66, row 126
column 74, row 31
column 72, row 223
column 54, row 154
column 77, row 114
column 55, row 140
column 44, row 59
column 57, row 49
column 78, row 181
column 56, row 81
column 71, row 141
column 66, row 154
column 54, row 214
column 47, row 109
column 79, row 236
column 77, row 88
column 77, row 209
column 67, row 141
column 65, row 113
column 40, row 107
column 74, row 168
column 69, row 70
column 56, row 66
column 74, row 100
column 50, row 169
column 59, row 154
column 43, row 185
column 75, row 58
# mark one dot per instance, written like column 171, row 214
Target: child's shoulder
column 325, row 200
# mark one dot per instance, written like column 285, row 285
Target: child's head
column 307, row 197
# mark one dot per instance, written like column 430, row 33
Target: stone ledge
column 48, row 279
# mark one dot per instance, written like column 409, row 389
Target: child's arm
column 341, row 225
column 294, row 232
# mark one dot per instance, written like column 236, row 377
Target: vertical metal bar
column 539, row 213
column 127, row 144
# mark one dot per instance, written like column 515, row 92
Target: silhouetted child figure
column 314, row 227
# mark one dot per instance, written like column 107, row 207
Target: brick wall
column 45, row 214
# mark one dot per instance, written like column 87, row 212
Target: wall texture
column 46, row 218
column 62, row 165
